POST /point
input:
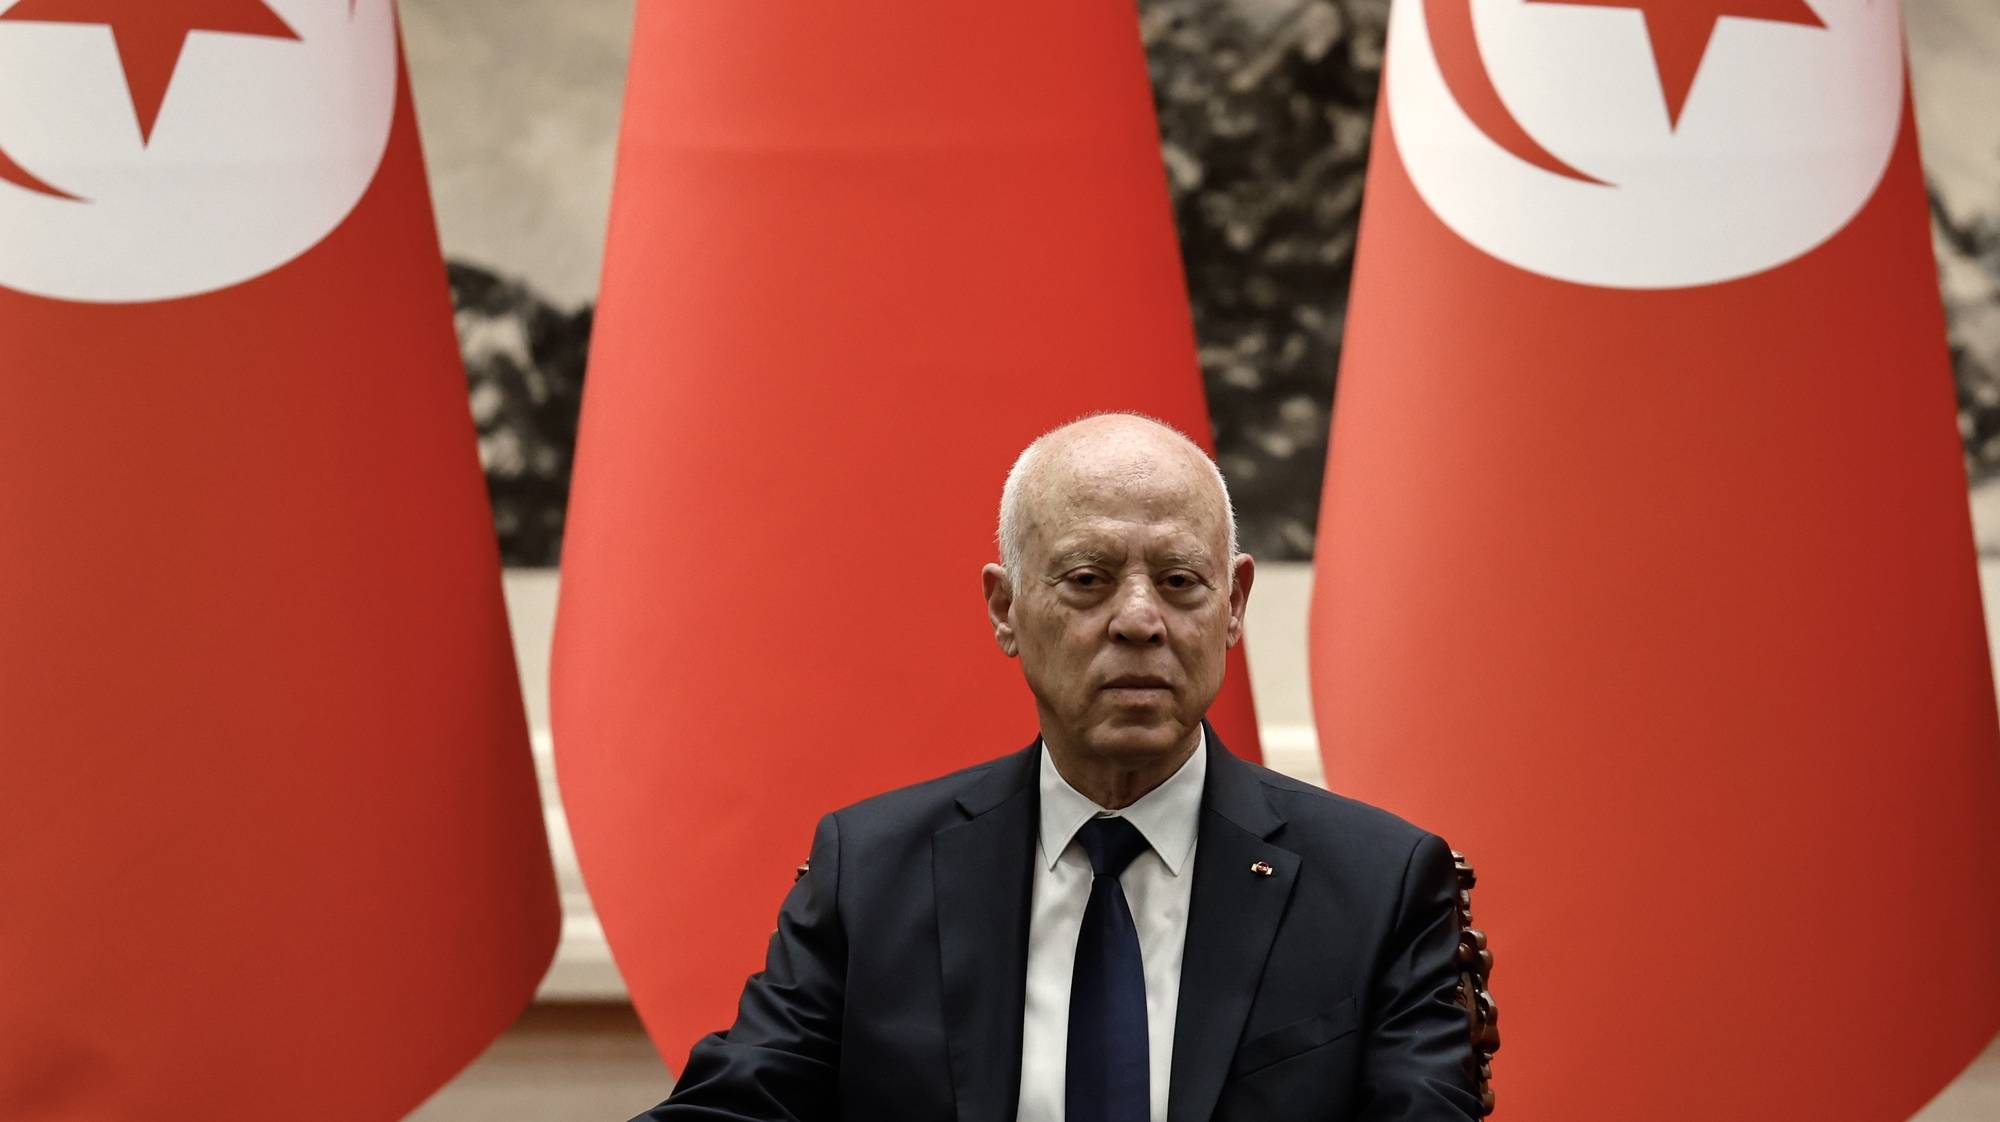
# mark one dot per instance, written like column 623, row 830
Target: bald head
column 1110, row 452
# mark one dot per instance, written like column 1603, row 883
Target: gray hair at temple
column 1014, row 519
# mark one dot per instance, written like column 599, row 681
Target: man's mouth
column 1137, row 682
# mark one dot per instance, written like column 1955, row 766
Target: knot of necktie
column 1112, row 843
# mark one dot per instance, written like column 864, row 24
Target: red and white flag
column 1644, row 569
column 860, row 255
column 269, row 837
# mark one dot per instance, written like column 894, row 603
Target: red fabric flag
column 1645, row 573
column 271, row 844
column 860, row 255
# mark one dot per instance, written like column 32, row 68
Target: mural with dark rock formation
column 1265, row 110
column 524, row 362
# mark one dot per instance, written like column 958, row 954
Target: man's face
column 1123, row 608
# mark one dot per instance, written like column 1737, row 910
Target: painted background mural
column 1265, row 113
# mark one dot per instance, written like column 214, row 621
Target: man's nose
column 1136, row 616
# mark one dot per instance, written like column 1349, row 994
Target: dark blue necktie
column 1107, row 1071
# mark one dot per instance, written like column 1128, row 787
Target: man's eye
column 1085, row 580
column 1179, row 582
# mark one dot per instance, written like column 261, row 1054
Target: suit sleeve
column 1417, row 1063
column 780, row 1061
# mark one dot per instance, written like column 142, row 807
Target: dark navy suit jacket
column 894, row 985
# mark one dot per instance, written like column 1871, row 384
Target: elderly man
column 1121, row 921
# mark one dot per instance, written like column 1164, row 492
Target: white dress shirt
column 1157, row 887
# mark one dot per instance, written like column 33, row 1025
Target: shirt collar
column 1166, row 815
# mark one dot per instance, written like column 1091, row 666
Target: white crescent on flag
column 149, row 152
column 1645, row 144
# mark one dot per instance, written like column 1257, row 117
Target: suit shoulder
column 1315, row 808
column 917, row 805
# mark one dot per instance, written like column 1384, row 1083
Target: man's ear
column 1242, row 572
column 999, row 602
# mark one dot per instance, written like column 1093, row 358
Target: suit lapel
column 980, row 875
column 1233, row 916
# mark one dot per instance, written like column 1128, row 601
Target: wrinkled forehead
column 1094, row 492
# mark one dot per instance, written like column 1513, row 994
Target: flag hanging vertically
column 860, row 255
column 269, row 837
column 1644, row 568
